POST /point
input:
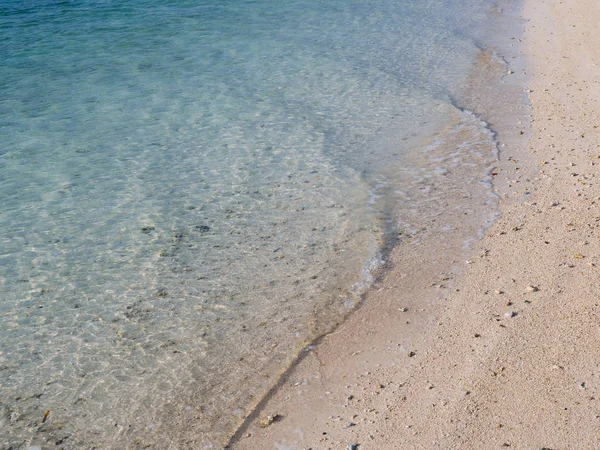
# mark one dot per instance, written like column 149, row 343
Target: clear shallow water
column 192, row 191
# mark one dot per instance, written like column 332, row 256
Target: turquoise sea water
column 193, row 190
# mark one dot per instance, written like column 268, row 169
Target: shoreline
column 465, row 123
column 495, row 353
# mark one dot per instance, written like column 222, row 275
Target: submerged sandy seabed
column 494, row 346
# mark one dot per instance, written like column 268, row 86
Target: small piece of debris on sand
column 269, row 420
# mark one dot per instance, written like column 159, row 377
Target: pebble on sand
column 264, row 423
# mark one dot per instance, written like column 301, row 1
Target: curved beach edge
column 501, row 350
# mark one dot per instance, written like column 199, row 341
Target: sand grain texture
column 507, row 353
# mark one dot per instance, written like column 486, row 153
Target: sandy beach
column 494, row 346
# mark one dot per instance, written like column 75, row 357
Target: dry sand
column 502, row 352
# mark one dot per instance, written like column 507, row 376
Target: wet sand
column 494, row 345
